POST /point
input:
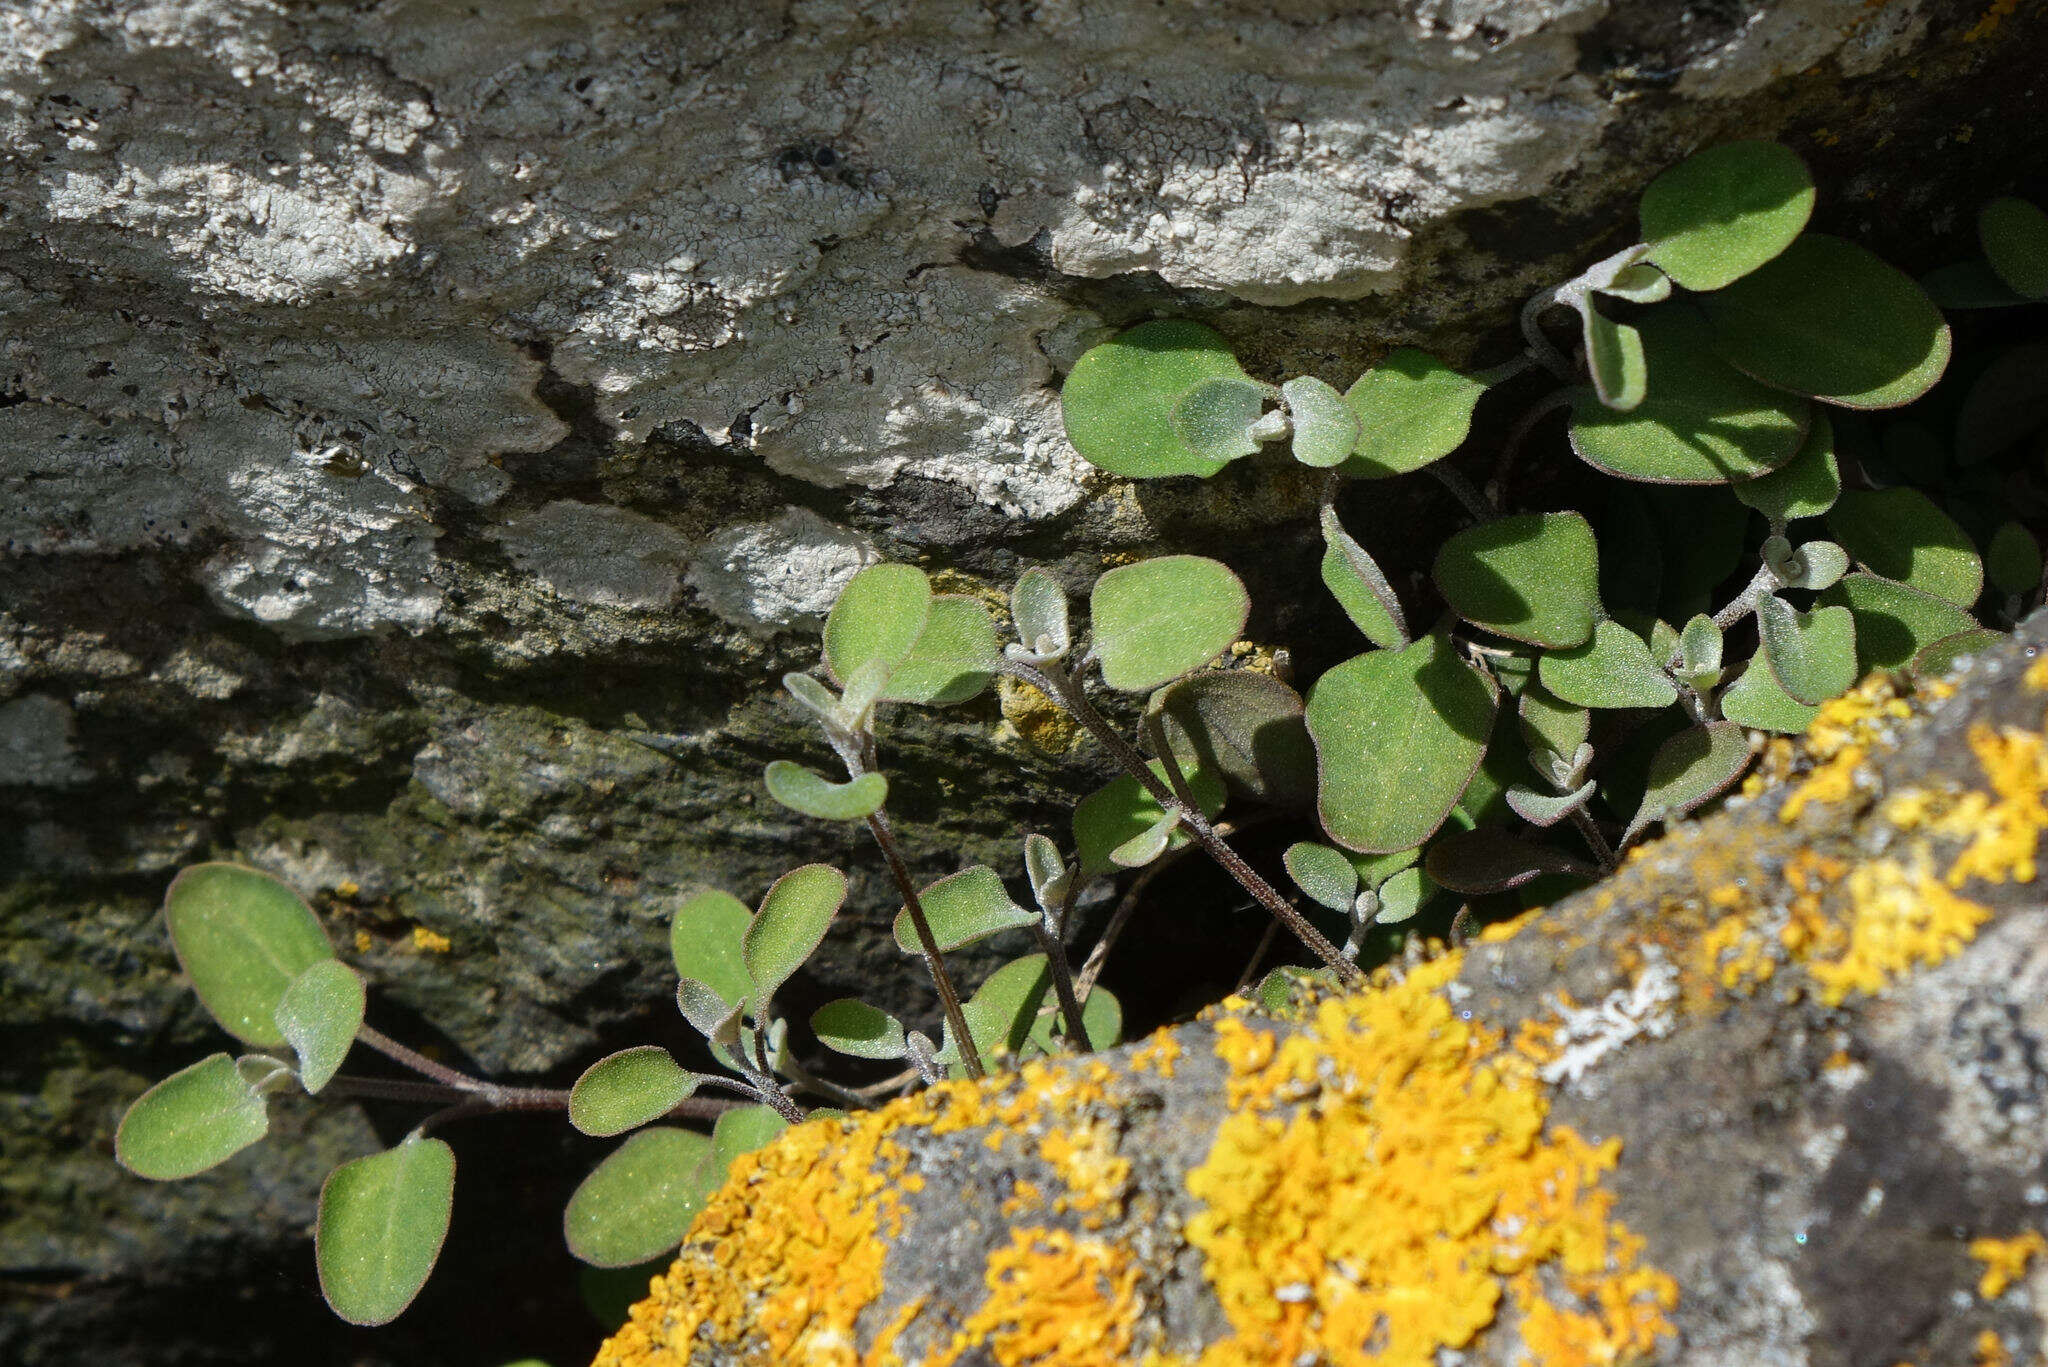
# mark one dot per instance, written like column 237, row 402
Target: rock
column 1772, row 1094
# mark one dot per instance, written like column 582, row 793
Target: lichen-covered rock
column 1773, row 1094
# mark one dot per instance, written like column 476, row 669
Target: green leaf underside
column 1831, row 319
column 1412, row 409
column 1354, row 579
column 705, row 941
column 1325, row 428
column 1547, row 809
column 2013, row 560
column 1487, row 861
column 1402, row 895
column 811, row 793
column 1534, row 578
column 1161, row 618
column 1812, row 655
column 1806, row 486
column 638, row 1203
column 1118, row 401
column 877, row 617
column 1937, row 658
column 382, row 1220
column 1894, row 622
column 319, row 1015
column 1814, row 565
column 1640, row 283
column 1325, row 874
column 791, row 923
column 1102, row 1017
column 1755, row 700
column 962, row 908
column 1723, row 212
column 2007, row 403
column 1001, row 1011
column 1398, row 735
column 851, row 1026
column 1614, row 354
column 1614, row 669
column 1552, row 723
column 242, row 937
column 1247, row 729
column 628, row 1089
column 195, row 1118
column 1900, row 534
column 1693, row 767
column 741, row 1130
column 954, row 658
column 1214, row 419
column 1703, row 422
column 2014, row 235
column 1116, row 814
column 1038, row 609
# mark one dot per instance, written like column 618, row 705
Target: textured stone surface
column 405, row 410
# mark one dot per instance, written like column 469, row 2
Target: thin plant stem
column 1463, row 490
column 1062, row 983
column 949, row 997
column 1540, row 345
column 1595, row 841
column 832, row 1091
column 1744, row 603
column 501, row 1097
column 1505, row 371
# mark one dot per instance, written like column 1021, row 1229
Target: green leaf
column 1900, row 534
column 1038, row 609
column 1161, row 618
column 638, row 1203
column 1102, row 1017
column 1550, row 723
column 1412, row 409
column 381, row 1223
column 962, row 908
column 242, row 936
column 1324, row 873
column 2013, row 562
column 851, row 1026
column 1047, row 870
column 1722, row 213
column 1375, row 869
column 811, row 793
column 1399, row 733
column 876, row 619
column 1614, row 354
column 1146, row 846
column 1755, row 700
column 1693, row 767
column 791, row 923
column 1354, row 579
column 1001, row 1012
column 2006, row 403
column 1485, row 861
column 1939, row 657
column 1533, row 578
column 1244, row 727
column 1639, row 283
column 1703, row 422
column 705, row 940
column 1112, row 816
column 955, row 656
column 2014, row 235
column 1811, row 654
column 319, row 1015
column 193, row 1119
column 624, row 1091
column 1401, row 896
column 1894, row 621
column 1828, row 318
column 1806, row 486
column 1699, row 651
column 709, row 1014
column 1969, row 284
column 1215, row 418
column 610, row 1293
column 1614, row 669
column 1547, row 809
column 1325, row 427
column 741, row 1130
column 1118, row 402
column 1812, row 566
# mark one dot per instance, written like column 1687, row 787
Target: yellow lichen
column 2005, row 1260
column 2002, row 827
column 1991, row 1350
column 1735, row 956
column 1036, row 719
column 1053, row 1299
column 1899, row 916
column 1384, row 1181
column 2036, row 676
column 428, row 942
column 1159, row 1055
column 1996, row 15
column 363, row 942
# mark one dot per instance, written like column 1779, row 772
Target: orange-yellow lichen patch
column 1053, row 1299
column 1993, row 17
column 2002, row 827
column 1844, row 733
column 1736, row 956
column 1412, row 1191
column 429, row 942
column 2036, row 676
column 2005, row 1260
column 1899, row 916
column 1991, row 1350
column 1158, row 1055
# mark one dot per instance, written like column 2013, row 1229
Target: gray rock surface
column 409, row 409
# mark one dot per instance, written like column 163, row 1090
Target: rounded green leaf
column 954, row 658
column 1485, row 861
column 319, row 1015
column 876, row 619
column 2013, row 561
column 705, row 940
column 193, row 1119
column 1325, row 427
column 1547, row 809
column 1003, row 1009
column 1830, row 319
column 2014, row 235
column 1939, row 657
column 1113, row 816
column 1614, row 354
column 1806, row 486
column 1118, row 402
column 1703, row 422
column 1534, row 578
column 1894, row 622
column 1412, row 409
column 811, row 793
column 1038, row 610
column 1969, row 284
column 1692, row 767
column 626, row 1090
column 1102, row 1018
column 1812, row 566
column 1550, row 723
column 1401, row 896
column 242, row 937
column 2006, row 403
column 1722, row 213
column 1614, row 669
column 638, row 1203
column 1755, row 700
column 851, row 1026
column 1700, row 646
column 1214, row 419
column 742, row 1129
column 790, row 924
column 1161, row 618
column 1900, row 534
column 709, row 1014
column 1355, row 581
column 962, row 908
column 380, row 1227
column 1325, row 874
column 1812, row 655
column 1398, row 735
column 1639, row 283
column 1245, row 728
